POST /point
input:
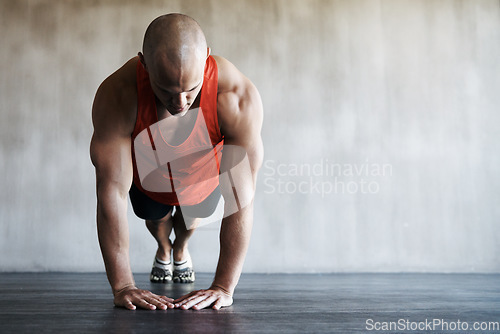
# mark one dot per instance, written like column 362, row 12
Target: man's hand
column 200, row 299
column 132, row 297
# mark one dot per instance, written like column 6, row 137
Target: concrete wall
column 381, row 131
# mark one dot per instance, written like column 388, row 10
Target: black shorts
column 146, row 208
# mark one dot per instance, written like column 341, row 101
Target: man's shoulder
column 230, row 79
column 116, row 97
column 239, row 106
column 122, row 83
column 233, row 86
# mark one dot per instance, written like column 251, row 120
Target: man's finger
column 180, row 299
column 195, row 300
column 218, row 304
column 145, row 304
column 152, row 300
column 158, row 303
column 222, row 302
column 168, row 301
column 204, row 303
column 129, row 305
column 187, row 299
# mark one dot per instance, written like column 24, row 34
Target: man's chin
column 179, row 113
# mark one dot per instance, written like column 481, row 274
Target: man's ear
column 142, row 60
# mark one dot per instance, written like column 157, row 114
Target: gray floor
column 336, row 303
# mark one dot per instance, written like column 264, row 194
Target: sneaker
column 183, row 271
column 161, row 272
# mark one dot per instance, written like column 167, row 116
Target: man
column 142, row 111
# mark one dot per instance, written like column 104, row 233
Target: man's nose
column 180, row 100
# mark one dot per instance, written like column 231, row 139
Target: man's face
column 176, row 87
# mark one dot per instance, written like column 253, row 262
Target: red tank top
column 183, row 174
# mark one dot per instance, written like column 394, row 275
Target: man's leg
column 162, row 266
column 158, row 219
column 160, row 229
column 184, row 227
column 183, row 266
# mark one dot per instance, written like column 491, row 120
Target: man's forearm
column 112, row 227
column 234, row 239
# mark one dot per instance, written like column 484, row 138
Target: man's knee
column 184, row 223
column 178, row 219
column 158, row 221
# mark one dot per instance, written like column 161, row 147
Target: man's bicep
column 242, row 154
column 110, row 147
column 246, row 124
column 113, row 163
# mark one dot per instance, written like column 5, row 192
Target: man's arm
column 110, row 151
column 240, row 117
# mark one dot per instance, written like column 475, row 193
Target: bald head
column 175, row 38
column 174, row 54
